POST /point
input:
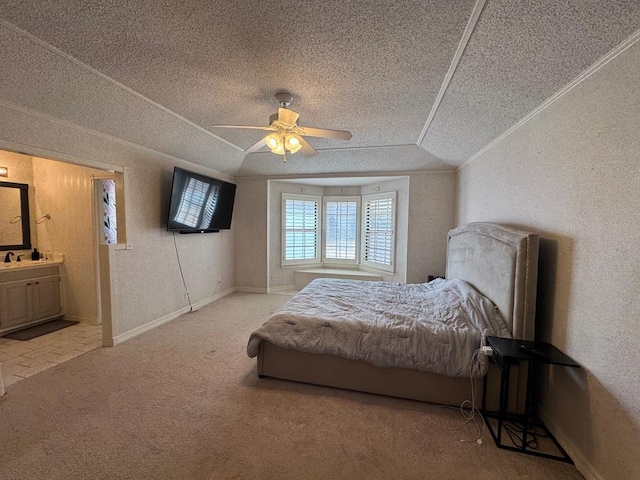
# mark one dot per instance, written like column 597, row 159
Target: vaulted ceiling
column 420, row 84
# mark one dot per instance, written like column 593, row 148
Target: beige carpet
column 184, row 402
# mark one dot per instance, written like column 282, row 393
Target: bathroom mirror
column 15, row 232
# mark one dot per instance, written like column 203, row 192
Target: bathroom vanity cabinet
column 29, row 294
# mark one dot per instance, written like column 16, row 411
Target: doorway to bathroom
column 77, row 211
column 63, row 219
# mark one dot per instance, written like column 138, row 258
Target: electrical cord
column 186, row 291
column 469, row 411
column 473, row 409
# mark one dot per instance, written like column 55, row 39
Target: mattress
column 434, row 327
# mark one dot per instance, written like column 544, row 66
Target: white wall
column 250, row 225
column 572, row 173
column 430, row 206
column 147, row 276
column 431, row 216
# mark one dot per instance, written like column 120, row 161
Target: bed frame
column 500, row 262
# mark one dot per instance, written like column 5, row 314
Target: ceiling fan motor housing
column 284, row 98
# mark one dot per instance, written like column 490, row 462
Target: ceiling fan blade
column 244, row 126
column 256, row 146
column 307, row 149
column 324, row 133
column 288, row 117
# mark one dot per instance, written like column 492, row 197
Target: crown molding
column 119, row 85
column 468, row 31
column 602, row 62
column 45, row 152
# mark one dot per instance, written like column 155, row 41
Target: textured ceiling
column 521, row 53
column 160, row 73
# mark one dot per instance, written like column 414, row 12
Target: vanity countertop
column 24, row 264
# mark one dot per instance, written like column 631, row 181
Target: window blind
column 378, row 230
column 300, row 229
column 341, row 235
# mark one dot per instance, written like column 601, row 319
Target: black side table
column 508, row 352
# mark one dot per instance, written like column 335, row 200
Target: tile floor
column 19, row 360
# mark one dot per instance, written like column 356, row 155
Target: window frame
column 341, row 198
column 374, row 265
column 283, row 230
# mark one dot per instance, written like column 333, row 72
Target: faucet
column 7, row 258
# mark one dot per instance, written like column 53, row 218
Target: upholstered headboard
column 501, row 263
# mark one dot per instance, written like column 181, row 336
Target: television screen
column 199, row 204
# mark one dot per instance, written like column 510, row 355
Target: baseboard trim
column 123, row 337
column 281, row 288
column 251, row 290
column 581, row 463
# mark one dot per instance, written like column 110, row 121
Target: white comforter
column 433, row 326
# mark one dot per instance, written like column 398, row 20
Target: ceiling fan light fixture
column 275, row 144
column 287, row 135
column 293, row 143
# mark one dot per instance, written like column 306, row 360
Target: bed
column 498, row 261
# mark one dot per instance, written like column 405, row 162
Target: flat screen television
column 199, row 204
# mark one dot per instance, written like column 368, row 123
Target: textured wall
column 65, row 192
column 572, row 173
column 250, row 224
column 147, row 276
column 431, row 216
column 151, row 268
column 430, row 207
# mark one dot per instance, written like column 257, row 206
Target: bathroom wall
column 65, row 192
column 21, row 171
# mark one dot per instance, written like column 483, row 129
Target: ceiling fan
column 287, row 135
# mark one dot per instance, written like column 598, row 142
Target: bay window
column 337, row 230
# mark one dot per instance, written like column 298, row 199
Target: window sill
column 302, row 277
column 381, row 271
